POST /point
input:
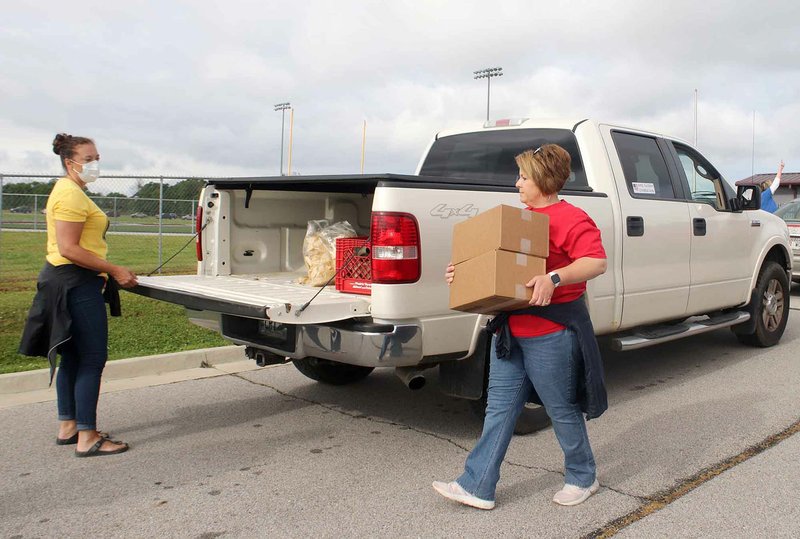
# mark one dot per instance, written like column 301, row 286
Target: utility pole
column 282, row 107
column 695, row 117
column 694, row 172
column 363, row 144
column 291, row 131
column 487, row 74
column 753, row 151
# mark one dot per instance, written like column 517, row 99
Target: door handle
column 635, row 225
column 699, row 226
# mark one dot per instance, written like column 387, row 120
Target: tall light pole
column 695, row 117
column 282, row 107
column 753, row 153
column 291, row 131
column 487, row 74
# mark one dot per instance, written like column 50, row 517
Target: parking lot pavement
column 761, row 489
column 271, row 452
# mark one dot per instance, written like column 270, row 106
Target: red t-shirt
column 573, row 235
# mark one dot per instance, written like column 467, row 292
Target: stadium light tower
column 283, row 107
column 487, row 74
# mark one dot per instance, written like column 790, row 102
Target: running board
column 650, row 335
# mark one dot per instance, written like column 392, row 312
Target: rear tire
column 331, row 372
column 771, row 310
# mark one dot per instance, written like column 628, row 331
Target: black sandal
column 94, row 451
column 72, row 440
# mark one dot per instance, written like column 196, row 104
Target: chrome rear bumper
column 367, row 345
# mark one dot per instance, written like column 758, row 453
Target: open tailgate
column 273, row 298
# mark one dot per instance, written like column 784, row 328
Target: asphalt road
column 271, row 453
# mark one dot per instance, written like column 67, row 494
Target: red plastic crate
column 356, row 277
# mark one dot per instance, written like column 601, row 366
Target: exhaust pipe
column 411, row 377
column 264, row 357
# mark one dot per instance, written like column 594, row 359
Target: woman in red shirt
column 544, row 356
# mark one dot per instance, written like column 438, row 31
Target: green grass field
column 145, row 327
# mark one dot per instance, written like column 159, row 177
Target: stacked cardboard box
column 495, row 254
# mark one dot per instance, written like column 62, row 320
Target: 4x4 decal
column 445, row 212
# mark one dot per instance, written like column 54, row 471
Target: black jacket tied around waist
column 49, row 322
column 574, row 315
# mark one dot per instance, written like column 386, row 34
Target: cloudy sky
column 188, row 87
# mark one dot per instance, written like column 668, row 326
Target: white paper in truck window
column 642, row 188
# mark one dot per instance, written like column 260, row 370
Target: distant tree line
column 183, row 190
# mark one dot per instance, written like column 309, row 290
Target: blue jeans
column 550, row 364
column 83, row 356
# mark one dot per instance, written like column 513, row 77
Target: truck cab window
column 644, row 167
column 487, row 157
column 701, row 181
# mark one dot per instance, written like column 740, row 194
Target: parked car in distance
column 169, row 215
column 138, row 215
column 188, row 217
column 790, row 212
column 21, row 209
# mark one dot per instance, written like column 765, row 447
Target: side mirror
column 748, row 197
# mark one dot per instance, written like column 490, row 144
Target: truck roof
column 570, row 123
column 512, row 123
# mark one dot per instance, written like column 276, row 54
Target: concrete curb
column 21, row 382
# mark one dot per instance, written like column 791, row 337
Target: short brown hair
column 548, row 166
column 64, row 146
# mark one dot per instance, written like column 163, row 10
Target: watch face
column 555, row 278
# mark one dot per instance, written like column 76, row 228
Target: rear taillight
column 395, row 248
column 198, row 227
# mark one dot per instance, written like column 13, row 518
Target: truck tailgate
column 274, row 298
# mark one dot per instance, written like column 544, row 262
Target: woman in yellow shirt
column 68, row 315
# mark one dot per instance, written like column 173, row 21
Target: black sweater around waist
column 49, row 322
column 591, row 393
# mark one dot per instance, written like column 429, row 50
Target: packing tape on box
column 520, row 291
column 527, row 215
column 522, row 260
column 525, row 245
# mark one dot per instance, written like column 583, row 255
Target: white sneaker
column 572, row 495
column 453, row 491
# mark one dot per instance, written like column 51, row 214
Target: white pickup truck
column 686, row 254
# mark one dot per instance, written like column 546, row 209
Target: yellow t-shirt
column 68, row 202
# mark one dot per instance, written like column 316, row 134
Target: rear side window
column 488, row 157
column 644, row 166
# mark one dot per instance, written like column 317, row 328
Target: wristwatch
column 555, row 278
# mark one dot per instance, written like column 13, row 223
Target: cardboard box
column 494, row 281
column 503, row 227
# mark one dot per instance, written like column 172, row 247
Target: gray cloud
column 189, row 87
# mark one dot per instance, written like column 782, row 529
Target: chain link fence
column 154, row 211
column 139, row 215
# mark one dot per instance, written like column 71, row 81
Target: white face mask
column 90, row 172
